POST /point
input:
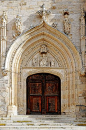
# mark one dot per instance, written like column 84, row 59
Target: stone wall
column 27, row 10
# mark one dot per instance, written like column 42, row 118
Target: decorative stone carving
column 4, row 72
column 83, row 73
column 44, row 60
column 52, row 63
column 43, row 13
column 43, row 49
column 66, row 23
column 53, row 4
column 18, row 24
column 35, row 62
column 3, row 38
column 82, row 23
column 54, row 25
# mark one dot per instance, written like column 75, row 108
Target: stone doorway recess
column 43, row 94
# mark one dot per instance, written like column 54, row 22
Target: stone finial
column 43, row 13
column 18, row 24
column 4, row 18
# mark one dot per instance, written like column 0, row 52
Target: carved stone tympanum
column 43, row 58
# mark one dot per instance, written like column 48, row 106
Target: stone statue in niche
column 18, row 24
column 66, row 23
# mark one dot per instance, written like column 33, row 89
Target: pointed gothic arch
column 22, row 51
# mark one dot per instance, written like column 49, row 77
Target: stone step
column 42, row 128
column 41, row 120
column 35, row 124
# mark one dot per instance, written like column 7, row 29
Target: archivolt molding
column 46, row 33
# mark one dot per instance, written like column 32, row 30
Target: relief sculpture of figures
column 35, row 62
column 66, row 23
column 43, row 57
column 44, row 61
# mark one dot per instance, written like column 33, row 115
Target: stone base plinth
column 12, row 110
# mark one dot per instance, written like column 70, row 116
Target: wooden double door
column 43, row 94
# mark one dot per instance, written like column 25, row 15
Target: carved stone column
column 3, row 38
column 82, row 19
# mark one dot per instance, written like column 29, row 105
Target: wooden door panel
column 51, row 104
column 35, row 88
column 35, row 103
column 51, row 88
